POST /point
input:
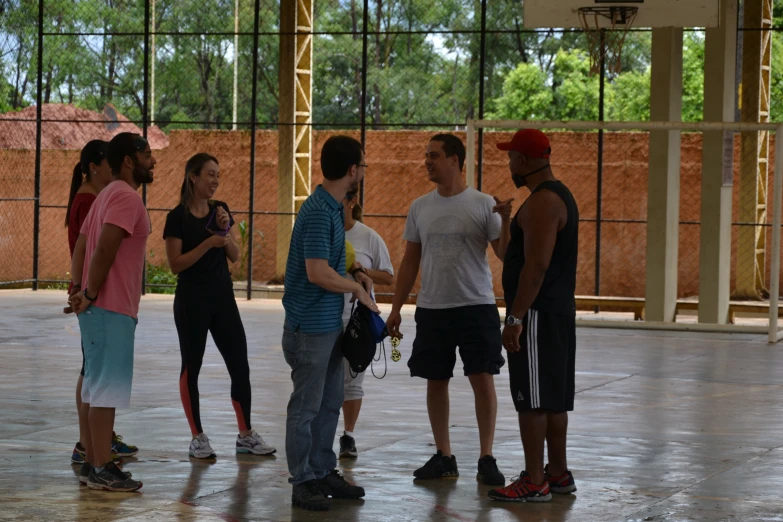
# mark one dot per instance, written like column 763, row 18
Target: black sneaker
column 438, row 467
column 84, row 473
column 348, row 447
column 489, row 473
column 308, row 495
column 563, row 484
column 112, row 478
column 335, row 485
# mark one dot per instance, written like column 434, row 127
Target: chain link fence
column 389, row 73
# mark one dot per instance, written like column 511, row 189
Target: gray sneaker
column 112, row 478
column 200, row 448
column 254, row 443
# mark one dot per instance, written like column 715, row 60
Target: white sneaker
column 200, row 448
column 254, row 444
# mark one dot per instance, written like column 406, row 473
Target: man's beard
column 142, row 175
column 354, row 187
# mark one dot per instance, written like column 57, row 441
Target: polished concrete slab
column 668, row 426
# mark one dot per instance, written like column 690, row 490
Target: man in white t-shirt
column 373, row 256
column 448, row 232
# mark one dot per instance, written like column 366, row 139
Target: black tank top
column 557, row 291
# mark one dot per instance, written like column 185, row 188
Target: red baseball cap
column 530, row 142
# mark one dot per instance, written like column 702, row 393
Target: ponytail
column 76, row 183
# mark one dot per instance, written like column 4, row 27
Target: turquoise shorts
column 108, row 339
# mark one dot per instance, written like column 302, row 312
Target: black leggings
column 197, row 311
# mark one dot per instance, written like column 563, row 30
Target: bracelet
column 362, row 270
column 76, row 285
column 90, row 299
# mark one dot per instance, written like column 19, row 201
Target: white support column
column 663, row 178
column 720, row 56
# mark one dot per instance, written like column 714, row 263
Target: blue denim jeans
column 316, row 363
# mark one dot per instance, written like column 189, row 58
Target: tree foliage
column 423, row 63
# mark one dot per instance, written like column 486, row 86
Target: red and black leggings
column 197, row 310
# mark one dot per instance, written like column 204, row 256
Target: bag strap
column 211, row 217
column 385, row 363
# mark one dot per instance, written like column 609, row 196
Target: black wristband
column 362, row 270
column 90, row 299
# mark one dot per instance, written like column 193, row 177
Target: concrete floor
column 667, row 427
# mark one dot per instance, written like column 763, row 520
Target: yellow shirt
column 350, row 256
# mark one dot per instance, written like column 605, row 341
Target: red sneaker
column 562, row 484
column 523, row 490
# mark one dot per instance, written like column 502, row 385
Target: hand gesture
column 218, row 241
column 72, row 292
column 393, row 324
column 222, row 218
column 511, row 335
column 79, row 303
column 363, row 297
column 503, row 208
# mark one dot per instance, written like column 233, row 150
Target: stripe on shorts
column 532, row 357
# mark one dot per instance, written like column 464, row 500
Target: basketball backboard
column 651, row 13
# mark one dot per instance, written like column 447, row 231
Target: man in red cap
column 539, row 282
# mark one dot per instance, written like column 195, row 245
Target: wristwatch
column 362, row 270
column 90, row 299
column 513, row 321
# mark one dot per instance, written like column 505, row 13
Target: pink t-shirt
column 118, row 204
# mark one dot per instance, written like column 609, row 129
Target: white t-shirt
column 371, row 253
column 454, row 233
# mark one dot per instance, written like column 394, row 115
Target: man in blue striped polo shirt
column 313, row 302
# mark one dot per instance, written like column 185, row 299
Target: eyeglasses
column 362, row 165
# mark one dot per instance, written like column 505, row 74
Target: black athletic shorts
column 474, row 329
column 542, row 372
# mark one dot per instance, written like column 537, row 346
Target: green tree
column 693, row 77
column 628, row 97
column 576, row 92
column 525, row 95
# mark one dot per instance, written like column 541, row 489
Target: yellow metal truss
column 295, row 137
column 754, row 104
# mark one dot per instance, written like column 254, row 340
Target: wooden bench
column 636, row 305
column 620, row 304
column 735, row 307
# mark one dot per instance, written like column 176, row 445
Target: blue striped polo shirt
column 319, row 233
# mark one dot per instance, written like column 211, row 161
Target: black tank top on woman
column 557, row 291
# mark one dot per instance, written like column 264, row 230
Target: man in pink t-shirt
column 109, row 258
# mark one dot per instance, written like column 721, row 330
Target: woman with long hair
column 90, row 176
column 199, row 242
column 372, row 255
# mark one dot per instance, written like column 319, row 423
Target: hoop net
column 606, row 29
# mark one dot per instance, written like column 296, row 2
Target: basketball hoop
column 606, row 28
